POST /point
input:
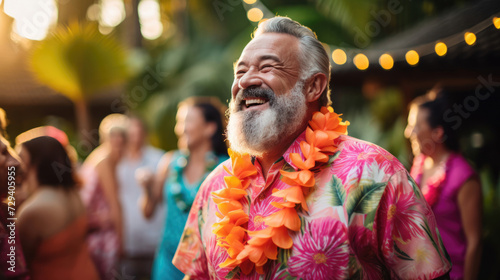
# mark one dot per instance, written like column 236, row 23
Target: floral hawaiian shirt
column 367, row 219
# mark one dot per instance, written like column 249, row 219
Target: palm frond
column 77, row 61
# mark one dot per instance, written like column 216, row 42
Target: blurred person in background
column 9, row 166
column 448, row 182
column 52, row 222
column 141, row 236
column 100, row 194
column 180, row 173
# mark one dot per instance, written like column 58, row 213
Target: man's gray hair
column 313, row 56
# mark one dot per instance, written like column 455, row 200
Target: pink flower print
column 216, row 255
column 360, row 239
column 322, row 252
column 400, row 211
column 354, row 156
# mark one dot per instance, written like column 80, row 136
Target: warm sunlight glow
column 386, row 61
column 470, row 38
column 361, row 61
column 150, row 18
column 412, row 57
column 339, row 57
column 255, row 14
column 32, row 18
column 441, row 48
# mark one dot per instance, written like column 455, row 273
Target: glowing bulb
column 339, row 57
column 441, row 48
column 249, row 2
column 386, row 61
column 496, row 22
column 255, row 14
column 361, row 61
column 470, row 38
column 412, row 57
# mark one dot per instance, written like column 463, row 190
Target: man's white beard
column 256, row 132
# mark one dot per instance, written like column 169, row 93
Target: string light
column 339, row 57
column 386, row 61
column 496, row 22
column 412, row 57
column 470, row 38
column 255, row 14
column 441, row 48
column 361, row 61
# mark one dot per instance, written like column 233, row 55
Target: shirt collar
column 295, row 148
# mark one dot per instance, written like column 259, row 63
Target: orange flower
column 293, row 194
column 303, row 178
column 285, row 217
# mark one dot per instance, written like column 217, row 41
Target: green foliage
column 347, row 13
column 338, row 191
column 364, row 198
column 77, row 61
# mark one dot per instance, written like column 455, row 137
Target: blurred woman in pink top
column 448, row 183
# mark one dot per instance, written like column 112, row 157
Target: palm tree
column 77, row 61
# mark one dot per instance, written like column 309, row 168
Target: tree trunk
column 132, row 31
column 73, row 10
column 86, row 137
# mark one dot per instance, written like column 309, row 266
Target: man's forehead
column 268, row 46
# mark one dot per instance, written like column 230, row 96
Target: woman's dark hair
column 52, row 164
column 436, row 108
column 213, row 111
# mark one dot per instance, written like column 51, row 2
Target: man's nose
column 250, row 78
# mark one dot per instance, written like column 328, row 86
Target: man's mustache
column 255, row 92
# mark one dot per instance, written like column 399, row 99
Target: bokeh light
column 441, row 48
column 150, row 18
column 32, row 18
column 250, row 2
column 386, row 61
column 412, row 57
column 470, row 38
column 112, row 13
column 339, row 57
column 496, row 22
column 255, row 14
column 361, row 61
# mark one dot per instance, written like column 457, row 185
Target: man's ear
column 315, row 86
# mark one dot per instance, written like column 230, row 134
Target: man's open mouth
column 253, row 101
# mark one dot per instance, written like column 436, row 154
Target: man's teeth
column 250, row 102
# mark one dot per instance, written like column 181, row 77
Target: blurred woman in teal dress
column 180, row 173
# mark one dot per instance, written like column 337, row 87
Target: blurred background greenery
column 69, row 63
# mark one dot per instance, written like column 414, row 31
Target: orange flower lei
column 324, row 127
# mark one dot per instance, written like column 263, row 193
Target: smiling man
column 299, row 199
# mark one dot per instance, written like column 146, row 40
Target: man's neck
column 269, row 158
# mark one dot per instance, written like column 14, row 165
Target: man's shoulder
column 215, row 180
column 360, row 152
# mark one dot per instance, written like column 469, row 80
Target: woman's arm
column 109, row 183
column 153, row 188
column 470, row 203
